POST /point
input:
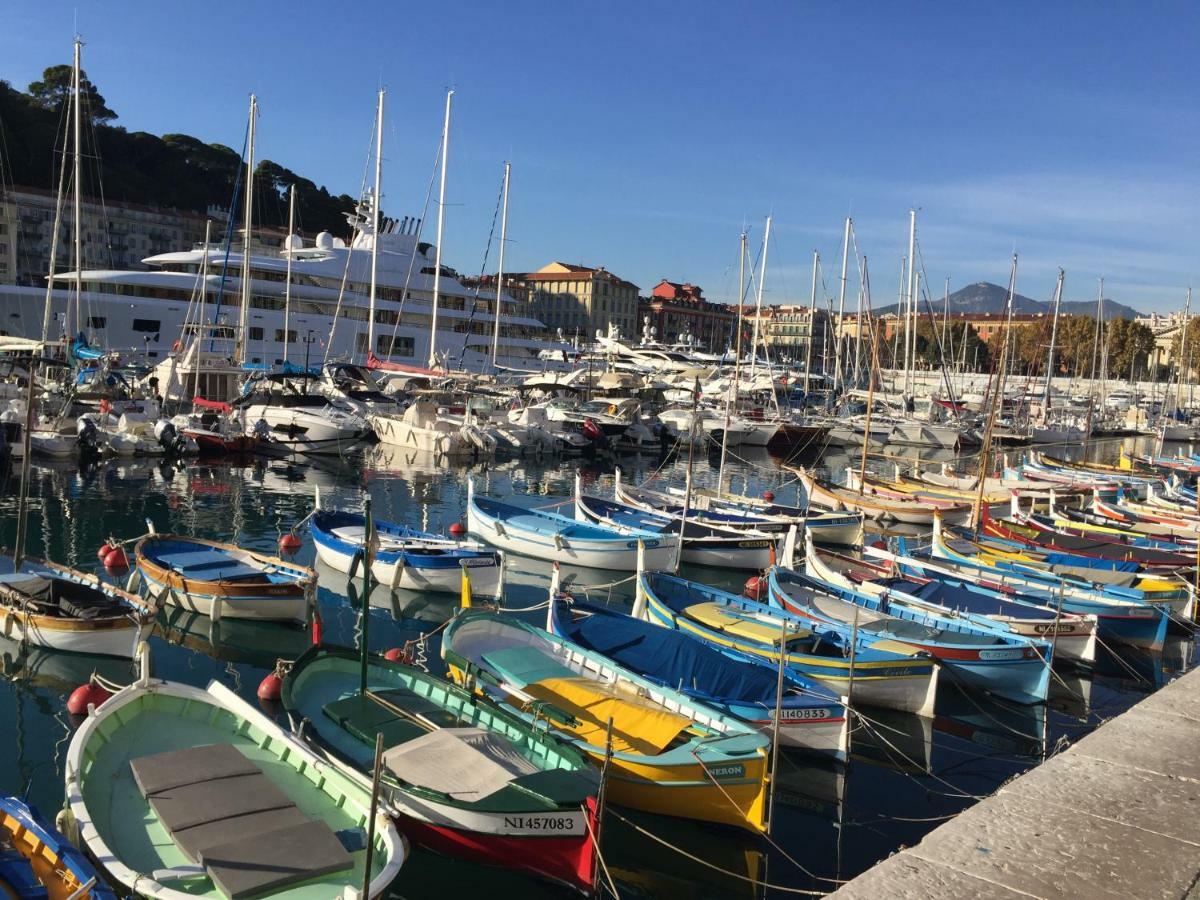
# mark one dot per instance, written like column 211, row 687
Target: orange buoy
column 458, row 530
column 318, row 627
column 115, row 558
column 270, row 687
column 289, row 543
column 755, row 586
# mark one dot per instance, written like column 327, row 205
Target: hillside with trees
column 175, row 170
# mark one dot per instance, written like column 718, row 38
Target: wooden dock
column 1115, row 815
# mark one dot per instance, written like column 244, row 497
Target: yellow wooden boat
column 670, row 754
column 37, row 861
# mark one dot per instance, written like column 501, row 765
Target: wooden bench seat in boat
column 209, row 565
column 224, row 813
column 719, row 618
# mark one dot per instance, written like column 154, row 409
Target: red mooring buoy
column 84, row 696
column 270, row 687
column 116, row 559
column 104, row 550
column 754, row 587
column 396, row 654
column 458, row 530
column 769, row 496
column 289, row 543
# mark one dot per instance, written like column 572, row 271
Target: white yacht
column 141, row 314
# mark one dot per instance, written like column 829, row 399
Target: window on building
column 291, row 335
column 147, row 326
column 256, row 333
column 97, row 322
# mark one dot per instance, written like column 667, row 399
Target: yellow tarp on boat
column 638, row 725
column 719, row 618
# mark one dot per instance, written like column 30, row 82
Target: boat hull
column 114, row 637
column 398, row 569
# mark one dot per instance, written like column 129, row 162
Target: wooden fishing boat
column 990, row 660
column 703, row 545
column 670, row 753
column 1093, row 547
column 1120, row 609
column 57, row 607
column 556, row 538
column 811, row 717
column 868, row 671
column 1122, row 524
column 463, row 776
column 1050, row 468
column 223, row 580
column 744, row 513
column 909, row 511
column 1157, row 465
column 1072, row 636
column 406, row 557
column 180, row 792
column 37, row 861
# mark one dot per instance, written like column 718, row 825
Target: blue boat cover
column 670, row 657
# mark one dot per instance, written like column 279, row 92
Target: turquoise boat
column 180, row 792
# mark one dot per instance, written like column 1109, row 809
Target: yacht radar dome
column 324, row 241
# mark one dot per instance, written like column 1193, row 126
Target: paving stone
column 906, row 877
column 1109, row 790
column 1047, row 851
column 1148, row 740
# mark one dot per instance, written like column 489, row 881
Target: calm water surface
column 907, row 774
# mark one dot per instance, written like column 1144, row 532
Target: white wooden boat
column 555, row 538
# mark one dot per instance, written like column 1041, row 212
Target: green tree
column 1130, row 345
column 55, row 88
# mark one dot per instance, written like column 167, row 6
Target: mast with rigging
column 437, row 263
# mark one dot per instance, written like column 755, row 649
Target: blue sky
column 643, row 135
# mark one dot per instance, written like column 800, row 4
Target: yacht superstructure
column 142, row 314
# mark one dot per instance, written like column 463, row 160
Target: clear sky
column 644, row 135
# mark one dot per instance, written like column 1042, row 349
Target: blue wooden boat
column 811, row 716
column 406, row 557
column 991, row 660
column 875, row 673
column 555, row 538
column 703, row 545
column 38, row 863
column 223, row 580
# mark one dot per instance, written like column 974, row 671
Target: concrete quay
column 1115, row 815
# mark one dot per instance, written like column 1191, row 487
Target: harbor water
column 830, row 822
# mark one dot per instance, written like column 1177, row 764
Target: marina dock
column 1112, row 816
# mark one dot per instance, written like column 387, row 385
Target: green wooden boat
column 464, row 776
column 179, row 792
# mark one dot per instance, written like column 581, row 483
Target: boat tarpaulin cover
column 673, row 658
column 465, row 763
column 638, row 726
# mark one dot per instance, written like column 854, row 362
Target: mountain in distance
column 985, row 297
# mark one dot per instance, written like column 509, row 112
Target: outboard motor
column 89, row 437
column 262, row 430
column 170, row 438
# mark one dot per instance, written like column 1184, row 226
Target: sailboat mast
column 376, row 197
column 812, row 327
column 437, row 261
column 58, row 211
column 500, row 271
column 731, row 394
column 762, row 273
column 1183, row 336
column 910, row 337
column 287, row 285
column 194, row 349
column 77, row 118
column 840, row 328
column 248, row 218
column 1053, row 339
